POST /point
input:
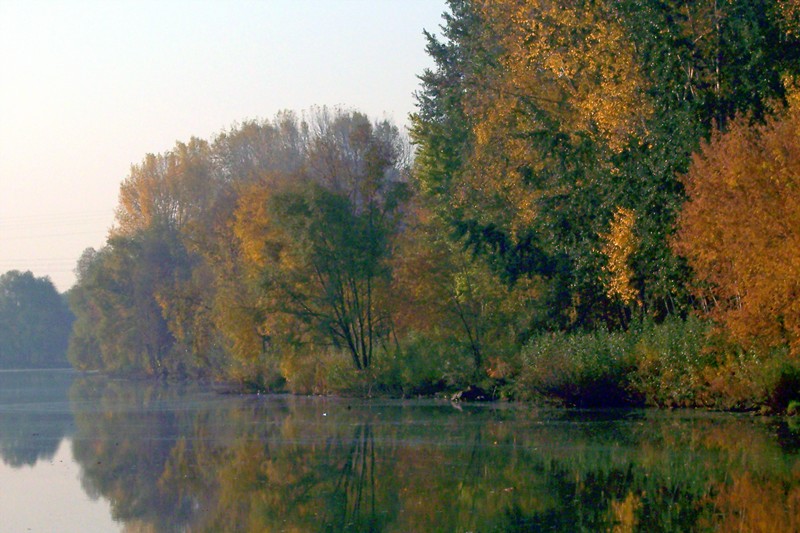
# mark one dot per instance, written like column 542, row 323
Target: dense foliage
column 741, row 229
column 228, row 254
column 544, row 123
column 538, row 243
column 35, row 322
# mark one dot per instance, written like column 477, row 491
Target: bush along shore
column 555, row 225
column 681, row 363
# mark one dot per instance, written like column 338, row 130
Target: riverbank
column 676, row 364
column 679, row 363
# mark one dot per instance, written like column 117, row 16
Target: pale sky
column 88, row 88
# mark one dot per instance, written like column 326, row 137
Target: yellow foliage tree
column 574, row 60
column 619, row 246
column 168, row 189
column 563, row 65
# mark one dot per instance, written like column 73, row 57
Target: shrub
column 422, row 365
column 653, row 364
column 258, row 374
column 742, row 380
column 784, row 387
column 419, row 366
column 785, row 390
column 303, row 371
column 735, row 382
column 579, row 369
column 335, row 373
column 669, row 359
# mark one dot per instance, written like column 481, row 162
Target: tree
column 706, row 62
column 545, row 97
column 84, row 350
column 320, row 243
column 329, row 268
column 121, row 325
column 542, row 120
column 187, row 282
column 739, row 229
column 619, row 246
column 34, row 322
column 441, row 292
column 169, row 190
column 220, row 307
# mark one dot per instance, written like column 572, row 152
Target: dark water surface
column 85, row 453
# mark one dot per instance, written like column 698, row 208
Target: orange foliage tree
column 740, row 229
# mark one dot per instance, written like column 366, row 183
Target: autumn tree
column 128, row 296
column 441, row 293
column 543, row 110
column 540, row 120
column 181, row 286
column 739, row 229
column 171, row 274
column 120, row 324
column 220, row 308
column 166, row 190
column 321, row 242
column 619, row 247
column 706, row 61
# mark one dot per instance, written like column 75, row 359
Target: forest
column 597, row 203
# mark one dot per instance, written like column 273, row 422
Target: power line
column 21, row 223
column 22, row 236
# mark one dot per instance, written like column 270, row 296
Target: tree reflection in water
column 33, row 417
column 352, row 504
column 173, row 458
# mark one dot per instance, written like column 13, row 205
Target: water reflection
column 34, row 418
column 180, row 458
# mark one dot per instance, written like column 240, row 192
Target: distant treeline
column 35, row 322
column 599, row 202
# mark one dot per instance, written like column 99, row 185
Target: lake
column 87, row 453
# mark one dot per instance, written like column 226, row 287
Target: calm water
column 83, row 453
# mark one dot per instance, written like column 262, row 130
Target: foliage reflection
column 33, row 417
column 178, row 458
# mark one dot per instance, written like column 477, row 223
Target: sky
column 88, row 88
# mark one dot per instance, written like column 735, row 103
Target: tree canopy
column 274, row 234
column 541, row 122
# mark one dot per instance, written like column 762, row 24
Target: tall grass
column 580, row 369
column 649, row 364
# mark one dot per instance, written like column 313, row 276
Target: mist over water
column 173, row 457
